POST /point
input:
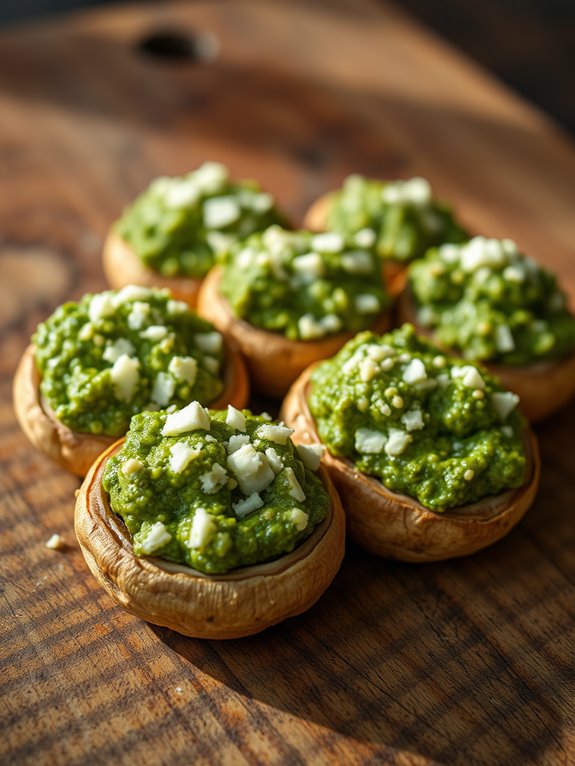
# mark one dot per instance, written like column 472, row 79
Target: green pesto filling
column 401, row 218
column 489, row 301
column 429, row 426
column 303, row 285
column 178, row 225
column 183, row 497
column 115, row 353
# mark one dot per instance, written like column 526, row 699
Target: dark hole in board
column 176, row 45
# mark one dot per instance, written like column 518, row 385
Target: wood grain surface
column 466, row 662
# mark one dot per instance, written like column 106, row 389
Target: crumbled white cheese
column 131, row 466
column 357, row 262
column 235, row 419
column 214, row 479
column 504, row 339
column 310, row 328
column 278, row 434
column 299, row 518
column 469, row 375
column 479, row 252
column 413, row 419
column 330, row 323
column 211, row 177
column 449, row 253
column 384, row 408
column 397, row 442
column 181, row 454
column 250, row 504
column 366, row 303
column 416, row 191
column 262, row 202
column 504, row 402
column 509, row 246
column 139, row 315
column 156, row 537
column 132, row 293
column 369, row 442
column 310, row 455
column 387, row 364
column 181, row 193
column 184, row 368
column 251, row 469
column 309, row 265
column 163, row 389
column 328, row 242
column 218, row 241
column 275, row 460
column 190, row 418
column 101, row 306
column 210, row 342
column 154, row 332
column 175, row 307
column 365, row 238
column 220, row 212
column 295, row 489
column 115, row 350
column 414, row 371
column 378, row 353
column 237, row 441
column 86, row 332
column 368, row 369
column 202, row 529
column 54, row 543
column 125, row 376
column 514, row 274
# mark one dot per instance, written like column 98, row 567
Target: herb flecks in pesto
column 490, row 302
column 178, row 225
column 433, row 427
column 303, row 285
column 115, row 353
column 401, row 218
column 213, row 491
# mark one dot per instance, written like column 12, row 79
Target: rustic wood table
column 466, row 662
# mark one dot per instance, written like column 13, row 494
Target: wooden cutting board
column 466, row 662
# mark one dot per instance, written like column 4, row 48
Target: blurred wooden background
column 530, row 44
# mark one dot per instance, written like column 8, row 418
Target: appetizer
column 291, row 298
column 490, row 303
column 401, row 219
column 429, row 453
column 94, row 364
column 169, row 236
column 210, row 523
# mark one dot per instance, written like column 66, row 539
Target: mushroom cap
column 542, row 387
column 75, row 451
column 236, row 604
column 397, row 526
column 123, row 267
column 273, row 360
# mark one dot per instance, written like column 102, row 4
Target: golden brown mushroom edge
column 397, row 526
column 237, row 604
column 315, row 219
column 542, row 387
column 123, row 267
column 75, row 451
column 273, row 360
